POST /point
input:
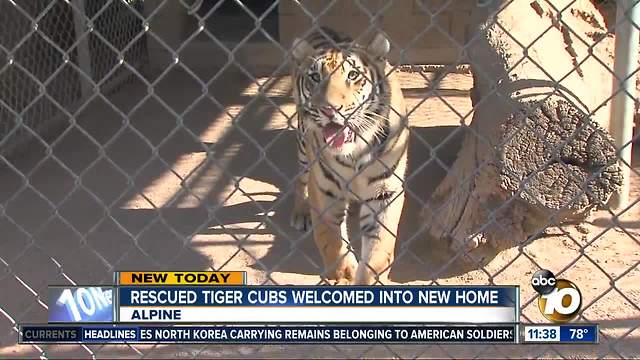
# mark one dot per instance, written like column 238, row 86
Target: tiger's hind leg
column 379, row 218
column 328, row 215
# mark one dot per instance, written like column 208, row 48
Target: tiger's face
column 339, row 91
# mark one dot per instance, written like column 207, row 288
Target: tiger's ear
column 379, row 46
column 301, row 49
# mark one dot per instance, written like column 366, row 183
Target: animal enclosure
column 161, row 135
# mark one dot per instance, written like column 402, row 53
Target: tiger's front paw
column 344, row 273
column 343, row 281
column 365, row 275
column 301, row 217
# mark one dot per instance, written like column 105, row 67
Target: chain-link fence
column 162, row 135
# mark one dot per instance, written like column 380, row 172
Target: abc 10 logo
column 559, row 299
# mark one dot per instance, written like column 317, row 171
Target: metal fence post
column 624, row 87
column 83, row 51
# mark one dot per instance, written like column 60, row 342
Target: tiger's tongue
column 334, row 135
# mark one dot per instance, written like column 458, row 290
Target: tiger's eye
column 315, row 77
column 353, row 75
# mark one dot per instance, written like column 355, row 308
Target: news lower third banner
column 318, row 304
column 237, row 334
column 276, row 304
column 219, row 307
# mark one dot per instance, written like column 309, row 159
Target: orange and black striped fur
column 352, row 141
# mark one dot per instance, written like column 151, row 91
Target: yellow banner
column 181, row 278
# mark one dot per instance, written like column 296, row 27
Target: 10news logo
column 560, row 299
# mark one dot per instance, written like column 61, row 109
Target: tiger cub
column 352, row 145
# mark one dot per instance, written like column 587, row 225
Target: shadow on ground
column 67, row 213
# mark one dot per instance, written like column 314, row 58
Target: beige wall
column 403, row 21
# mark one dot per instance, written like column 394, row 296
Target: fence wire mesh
column 162, row 135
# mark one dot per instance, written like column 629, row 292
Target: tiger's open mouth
column 337, row 135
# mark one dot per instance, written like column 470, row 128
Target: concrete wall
column 408, row 23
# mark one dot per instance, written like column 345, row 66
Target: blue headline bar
column 329, row 334
column 485, row 296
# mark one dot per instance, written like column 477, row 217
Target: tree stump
column 537, row 151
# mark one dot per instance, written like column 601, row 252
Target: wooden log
column 537, row 150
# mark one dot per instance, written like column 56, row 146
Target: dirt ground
column 195, row 183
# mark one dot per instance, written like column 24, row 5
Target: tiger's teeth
column 349, row 134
